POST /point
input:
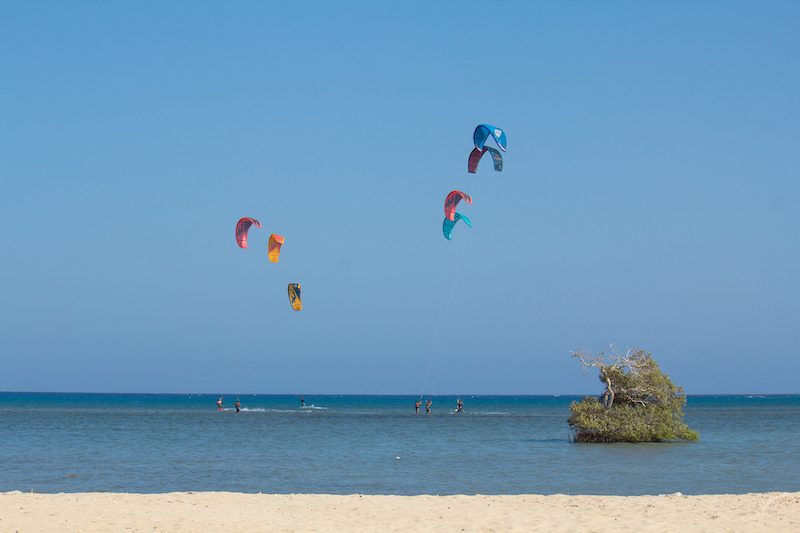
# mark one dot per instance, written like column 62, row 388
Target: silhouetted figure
column 417, row 404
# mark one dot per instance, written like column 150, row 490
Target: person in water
column 417, row 404
column 237, row 405
column 428, row 406
column 459, row 406
column 302, row 402
column 219, row 404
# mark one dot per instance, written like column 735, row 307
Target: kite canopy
column 241, row 230
column 275, row 242
column 452, row 200
column 483, row 132
column 447, row 226
column 476, row 155
column 294, row 296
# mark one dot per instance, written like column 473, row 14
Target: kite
column 476, row 155
column 447, row 226
column 483, row 132
column 241, row 230
column 294, row 296
column 450, row 203
column 275, row 242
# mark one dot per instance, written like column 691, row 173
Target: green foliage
column 640, row 404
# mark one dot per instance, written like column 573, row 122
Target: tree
column 640, row 403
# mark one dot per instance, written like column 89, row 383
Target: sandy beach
column 233, row 512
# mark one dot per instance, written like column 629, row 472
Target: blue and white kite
column 483, row 132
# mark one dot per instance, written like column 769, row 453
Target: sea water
column 151, row 443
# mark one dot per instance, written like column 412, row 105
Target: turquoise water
column 150, row 443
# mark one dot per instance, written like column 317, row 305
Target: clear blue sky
column 650, row 195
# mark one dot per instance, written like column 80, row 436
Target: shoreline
column 240, row 512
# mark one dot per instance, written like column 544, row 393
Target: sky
column 650, row 195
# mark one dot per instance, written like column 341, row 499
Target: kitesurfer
column 417, row 404
column 219, row 404
column 302, row 402
column 428, row 406
column 459, row 406
column 237, row 405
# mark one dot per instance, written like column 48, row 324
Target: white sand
column 225, row 512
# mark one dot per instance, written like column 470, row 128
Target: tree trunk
column 608, row 396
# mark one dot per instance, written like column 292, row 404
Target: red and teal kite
column 452, row 200
column 476, row 155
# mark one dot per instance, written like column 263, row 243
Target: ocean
column 155, row 443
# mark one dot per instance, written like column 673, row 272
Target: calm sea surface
column 150, row 443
